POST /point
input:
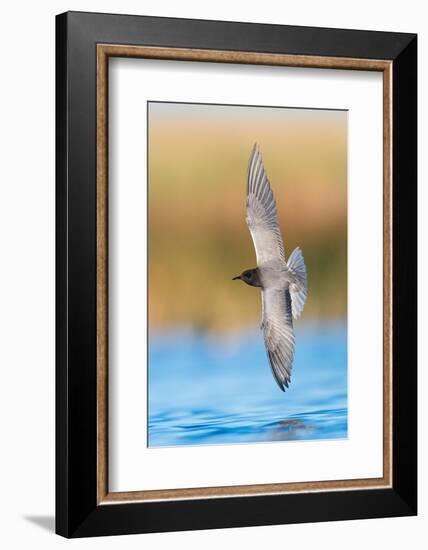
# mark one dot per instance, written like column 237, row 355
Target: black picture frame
column 77, row 512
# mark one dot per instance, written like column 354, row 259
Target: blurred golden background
column 197, row 235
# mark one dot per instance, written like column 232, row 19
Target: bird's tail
column 298, row 289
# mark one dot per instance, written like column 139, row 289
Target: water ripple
column 206, row 390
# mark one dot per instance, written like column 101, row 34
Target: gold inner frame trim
column 104, row 51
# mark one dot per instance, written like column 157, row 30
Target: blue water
column 208, row 390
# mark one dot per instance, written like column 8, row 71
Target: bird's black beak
column 238, row 277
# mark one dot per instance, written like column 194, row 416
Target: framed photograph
column 236, row 274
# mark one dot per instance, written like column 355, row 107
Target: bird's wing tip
column 282, row 382
column 255, row 150
column 283, row 385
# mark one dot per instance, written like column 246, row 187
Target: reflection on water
column 294, row 428
column 206, row 390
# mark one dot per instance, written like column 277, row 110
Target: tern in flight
column 283, row 283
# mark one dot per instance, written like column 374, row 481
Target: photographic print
column 254, row 195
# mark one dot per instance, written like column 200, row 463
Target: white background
column 27, row 274
column 133, row 466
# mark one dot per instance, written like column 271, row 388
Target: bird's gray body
column 275, row 274
column 283, row 283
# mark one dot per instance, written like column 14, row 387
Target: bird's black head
column 250, row 276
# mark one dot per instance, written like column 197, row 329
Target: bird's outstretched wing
column 277, row 326
column 262, row 217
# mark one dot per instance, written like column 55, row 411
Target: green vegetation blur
column 198, row 238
